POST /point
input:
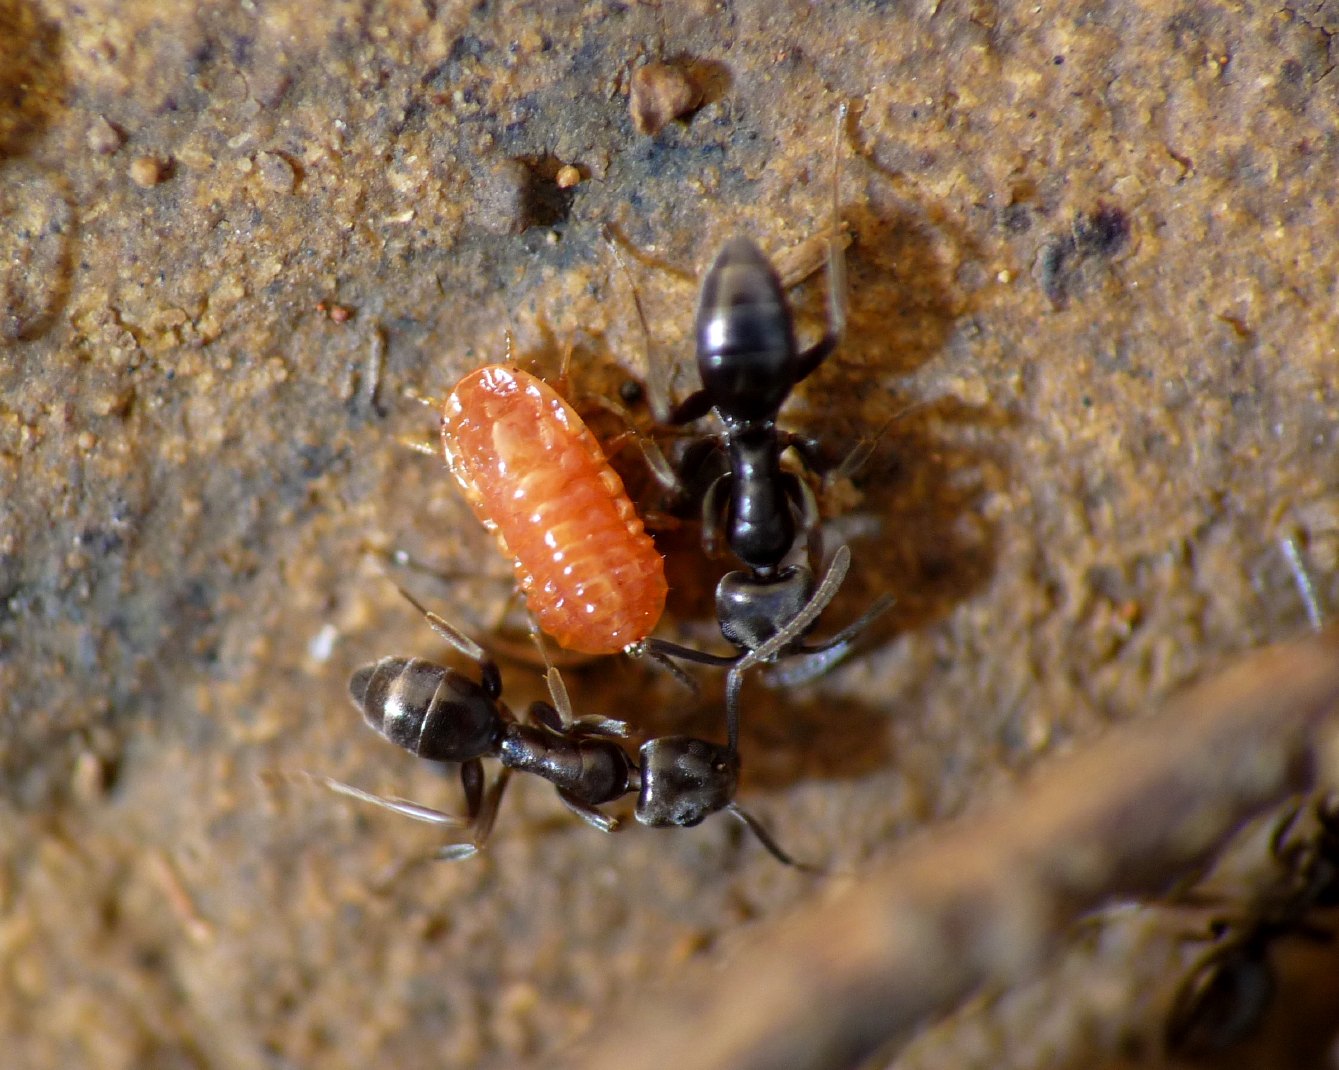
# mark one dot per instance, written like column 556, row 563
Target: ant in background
column 749, row 362
column 1227, row 991
column 442, row 715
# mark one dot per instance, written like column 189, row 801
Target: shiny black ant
column 443, row 715
column 749, row 362
column 1229, row 988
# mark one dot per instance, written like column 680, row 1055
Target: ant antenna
column 765, row 838
column 446, row 630
column 827, row 590
column 657, row 382
column 795, row 627
column 836, row 261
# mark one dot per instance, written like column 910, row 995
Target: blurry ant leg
column 484, row 819
column 810, row 662
column 588, row 813
column 403, row 807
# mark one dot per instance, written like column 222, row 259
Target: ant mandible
column 443, row 715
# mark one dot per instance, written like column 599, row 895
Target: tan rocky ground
column 1092, row 285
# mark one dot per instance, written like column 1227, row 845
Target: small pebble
column 660, row 93
column 502, row 198
column 147, row 171
column 567, row 176
column 103, row 138
column 276, row 173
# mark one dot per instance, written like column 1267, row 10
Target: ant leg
column 810, row 450
column 561, row 710
column 656, row 461
column 403, row 807
column 544, row 715
column 562, row 705
column 808, row 517
column 695, row 406
column 827, row 590
column 712, row 507
column 844, row 637
column 484, row 819
column 1221, row 1000
column 765, row 838
column 588, row 813
column 1279, row 849
column 806, row 663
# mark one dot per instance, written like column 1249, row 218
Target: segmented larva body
column 537, row 478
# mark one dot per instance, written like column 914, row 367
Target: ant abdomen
column 431, row 711
column 745, row 337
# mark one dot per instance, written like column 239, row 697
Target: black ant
column 443, row 715
column 1229, row 988
column 749, row 362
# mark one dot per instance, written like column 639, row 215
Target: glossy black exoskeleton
column 437, row 713
column 1226, row 993
column 749, row 361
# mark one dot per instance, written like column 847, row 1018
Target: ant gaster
column 443, row 715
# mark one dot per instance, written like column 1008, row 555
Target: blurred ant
column 749, row 362
column 1228, row 990
column 442, row 715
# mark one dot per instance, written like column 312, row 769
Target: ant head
column 752, row 610
column 429, row 710
column 684, row 781
column 746, row 351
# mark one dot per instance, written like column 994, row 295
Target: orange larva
column 537, row 478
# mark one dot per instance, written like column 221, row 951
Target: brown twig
column 987, row 897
